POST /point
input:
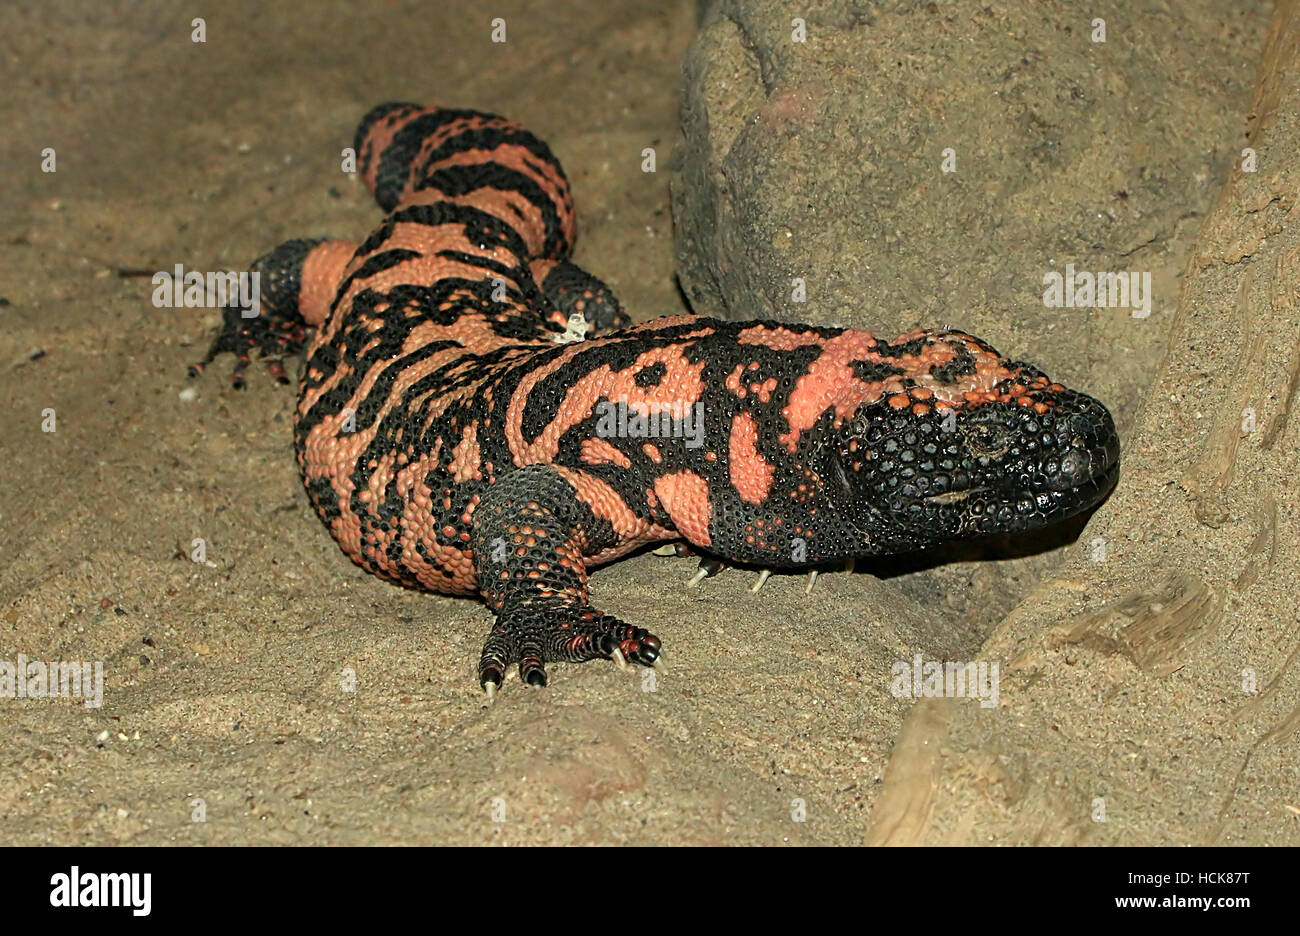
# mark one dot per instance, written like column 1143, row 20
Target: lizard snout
column 1091, row 448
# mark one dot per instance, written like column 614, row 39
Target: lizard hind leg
column 297, row 283
column 530, row 536
column 573, row 290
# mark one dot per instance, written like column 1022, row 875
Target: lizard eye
column 986, row 440
column 859, row 426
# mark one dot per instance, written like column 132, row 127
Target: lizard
column 477, row 414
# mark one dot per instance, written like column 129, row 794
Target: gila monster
column 476, row 414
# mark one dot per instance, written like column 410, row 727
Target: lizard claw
column 531, row 637
column 763, row 576
column 709, row 567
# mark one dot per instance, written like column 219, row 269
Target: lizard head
column 965, row 443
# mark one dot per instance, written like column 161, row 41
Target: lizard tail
column 409, row 155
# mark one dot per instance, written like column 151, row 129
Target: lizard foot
column 276, row 326
column 574, row 290
column 241, row 337
column 532, row 636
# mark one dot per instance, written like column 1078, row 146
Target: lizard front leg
column 531, row 538
column 298, row 280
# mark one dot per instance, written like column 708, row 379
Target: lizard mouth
column 1084, row 493
column 1082, row 477
column 1100, row 483
column 952, row 497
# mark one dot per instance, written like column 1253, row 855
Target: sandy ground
column 283, row 696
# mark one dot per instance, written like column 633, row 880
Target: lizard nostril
column 1074, row 469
